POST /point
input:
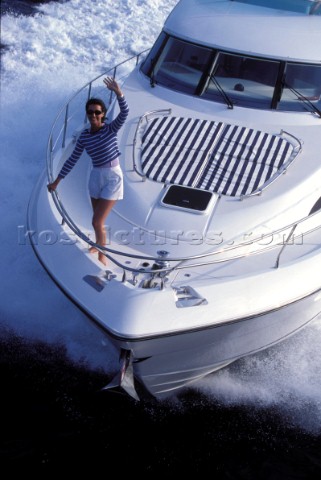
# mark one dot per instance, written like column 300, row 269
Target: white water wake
column 48, row 57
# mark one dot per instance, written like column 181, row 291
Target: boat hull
column 214, row 252
column 165, row 365
column 239, row 318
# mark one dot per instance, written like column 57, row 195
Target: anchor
column 124, row 380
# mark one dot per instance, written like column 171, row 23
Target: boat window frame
column 307, row 7
column 150, row 62
column 299, row 93
column 240, row 81
column 269, row 96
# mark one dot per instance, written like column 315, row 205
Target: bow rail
column 68, row 120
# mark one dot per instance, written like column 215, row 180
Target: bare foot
column 93, row 250
column 102, row 258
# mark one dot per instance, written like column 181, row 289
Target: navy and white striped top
column 101, row 146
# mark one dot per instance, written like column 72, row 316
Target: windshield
column 233, row 79
column 301, row 84
column 309, row 7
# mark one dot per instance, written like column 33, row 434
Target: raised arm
column 119, row 121
column 112, row 85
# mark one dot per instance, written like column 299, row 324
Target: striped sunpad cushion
column 214, row 156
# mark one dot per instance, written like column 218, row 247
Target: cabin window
column 180, row 65
column 233, row 79
column 246, row 81
column 301, row 85
column 309, row 7
column 148, row 66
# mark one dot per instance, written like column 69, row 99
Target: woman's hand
column 112, row 85
column 52, row 186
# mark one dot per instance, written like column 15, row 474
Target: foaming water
column 285, row 378
column 48, row 57
column 79, row 37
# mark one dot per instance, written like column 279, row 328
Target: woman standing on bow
column 106, row 178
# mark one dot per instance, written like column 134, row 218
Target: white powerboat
column 215, row 251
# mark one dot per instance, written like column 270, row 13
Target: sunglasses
column 94, row 112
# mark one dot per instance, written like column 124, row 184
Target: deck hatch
column 188, row 198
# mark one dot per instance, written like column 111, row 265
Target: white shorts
column 107, row 183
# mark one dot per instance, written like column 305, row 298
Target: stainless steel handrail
column 180, row 262
column 166, row 111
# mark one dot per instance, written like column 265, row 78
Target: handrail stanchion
column 65, row 126
column 88, row 97
column 111, row 93
column 277, row 263
column 50, row 159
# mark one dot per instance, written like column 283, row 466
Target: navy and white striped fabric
column 214, row 156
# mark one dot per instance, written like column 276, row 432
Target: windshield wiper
column 228, row 101
column 304, row 99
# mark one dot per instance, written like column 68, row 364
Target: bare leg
column 94, row 204
column 102, row 208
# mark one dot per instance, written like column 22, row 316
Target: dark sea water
column 55, row 417
column 25, row 7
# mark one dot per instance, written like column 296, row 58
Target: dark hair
column 97, row 101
